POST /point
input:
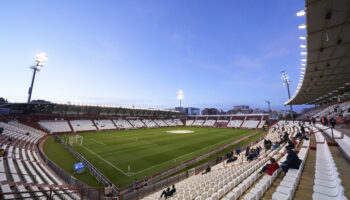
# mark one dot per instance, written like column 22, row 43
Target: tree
column 3, row 101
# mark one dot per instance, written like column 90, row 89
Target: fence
column 173, row 179
column 142, row 192
column 84, row 189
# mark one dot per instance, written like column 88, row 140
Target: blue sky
column 220, row 53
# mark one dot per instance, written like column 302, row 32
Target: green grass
column 65, row 159
column 149, row 151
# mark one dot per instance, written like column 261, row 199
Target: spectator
column 231, row 159
column 172, row 191
column 165, row 193
column 270, row 168
column 267, row 144
column 145, row 181
column 313, row 120
column 238, row 151
column 302, row 129
column 3, row 153
column 207, row 170
column 285, row 136
column 247, row 150
column 290, row 144
column 333, row 122
column 275, row 146
column 292, row 162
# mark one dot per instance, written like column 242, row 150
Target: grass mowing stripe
column 149, row 151
column 104, row 160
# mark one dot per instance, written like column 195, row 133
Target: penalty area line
column 98, row 142
column 126, row 174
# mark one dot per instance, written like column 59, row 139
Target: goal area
column 76, row 139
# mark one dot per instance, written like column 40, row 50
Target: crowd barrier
column 84, row 189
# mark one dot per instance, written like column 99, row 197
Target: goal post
column 76, row 139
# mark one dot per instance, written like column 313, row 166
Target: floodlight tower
column 268, row 103
column 180, row 96
column 40, row 59
column 286, row 81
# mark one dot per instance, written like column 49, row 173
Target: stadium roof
column 80, row 110
column 327, row 72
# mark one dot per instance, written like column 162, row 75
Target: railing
column 84, row 189
column 155, row 186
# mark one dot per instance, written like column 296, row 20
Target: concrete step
column 305, row 186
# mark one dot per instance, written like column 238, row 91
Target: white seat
column 280, row 196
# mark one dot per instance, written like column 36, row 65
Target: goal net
column 77, row 139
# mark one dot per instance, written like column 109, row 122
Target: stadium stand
column 189, row 122
column 82, row 125
column 235, row 123
column 26, row 173
column 123, row 124
column 57, row 126
column 198, row 122
column 149, row 123
column 233, row 180
column 209, row 123
column 250, row 124
column 137, row 123
column 104, row 124
column 160, row 122
column 178, row 122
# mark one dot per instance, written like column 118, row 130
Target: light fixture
column 302, row 26
column 303, row 46
column 301, row 13
column 303, row 53
column 40, row 60
column 303, row 60
column 302, row 37
column 303, row 64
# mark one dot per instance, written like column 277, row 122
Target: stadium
column 72, row 151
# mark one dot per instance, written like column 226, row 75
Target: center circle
column 180, row 131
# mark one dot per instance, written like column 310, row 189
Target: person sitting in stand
column 238, row 151
column 285, row 136
column 207, row 170
column 3, row 153
column 165, row 193
column 267, row 145
column 292, row 161
column 275, row 146
column 270, row 168
column 247, row 150
column 172, row 191
column 231, row 159
column 290, row 144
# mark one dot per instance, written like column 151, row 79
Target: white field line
column 98, row 142
column 174, row 159
column 105, row 161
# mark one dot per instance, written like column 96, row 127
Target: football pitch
column 125, row 155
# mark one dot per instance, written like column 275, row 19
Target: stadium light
column 268, row 103
column 302, row 37
column 303, row 60
column 40, row 60
column 286, row 81
column 301, row 13
column 302, row 26
column 303, row 46
column 303, row 64
column 303, row 53
column 180, row 96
